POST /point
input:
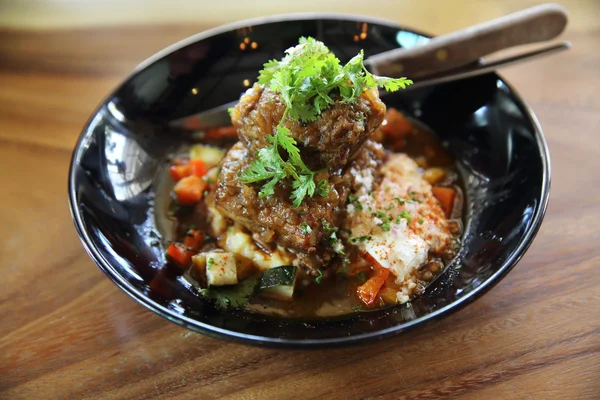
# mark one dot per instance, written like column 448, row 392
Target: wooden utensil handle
column 535, row 24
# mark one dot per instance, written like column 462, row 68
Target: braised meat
column 328, row 142
column 306, row 229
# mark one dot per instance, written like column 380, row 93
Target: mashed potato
column 398, row 222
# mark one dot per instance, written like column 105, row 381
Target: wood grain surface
column 67, row 332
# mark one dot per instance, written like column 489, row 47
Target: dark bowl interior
column 123, row 149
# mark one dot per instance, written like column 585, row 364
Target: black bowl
column 123, row 148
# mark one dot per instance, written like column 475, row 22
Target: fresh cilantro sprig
column 236, row 296
column 308, row 79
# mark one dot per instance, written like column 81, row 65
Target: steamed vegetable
column 445, row 196
column 210, row 156
column 180, row 254
column 190, row 190
column 396, row 124
column 221, row 269
column 368, row 291
column 279, row 282
column 194, row 239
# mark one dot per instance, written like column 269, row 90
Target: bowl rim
column 244, row 338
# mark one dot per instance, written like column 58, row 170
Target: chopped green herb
column 388, row 208
column 386, row 227
column 402, row 201
column 320, row 277
column 406, row 215
column 332, row 238
column 360, row 239
column 327, row 227
column 323, row 188
column 210, row 262
column 208, row 179
column 306, row 229
column 378, row 214
column 354, row 200
column 236, row 296
column 305, row 78
column 421, row 220
column 230, row 110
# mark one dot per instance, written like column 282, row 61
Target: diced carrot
column 178, row 172
column 194, row 239
column 368, row 291
column 224, row 132
column 445, row 196
column 371, row 260
column 180, row 254
column 198, row 168
column 396, row 124
column 190, row 190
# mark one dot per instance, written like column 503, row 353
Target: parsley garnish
column 402, row 201
column 306, row 229
column 307, row 79
column 360, row 239
column 327, row 227
column 210, row 263
column 357, row 204
column 320, row 277
column 332, row 238
column 378, row 214
column 385, row 226
column 406, row 215
column 231, row 296
column 421, row 220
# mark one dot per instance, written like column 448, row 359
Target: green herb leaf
column 323, row 188
column 320, row 277
column 306, row 229
column 360, row 239
column 327, row 227
column 210, row 262
column 406, row 215
column 306, row 79
column 305, row 185
column 236, row 296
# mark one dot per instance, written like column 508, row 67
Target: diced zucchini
column 210, row 155
column 220, row 268
column 278, row 283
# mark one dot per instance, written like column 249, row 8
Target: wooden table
column 67, row 332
